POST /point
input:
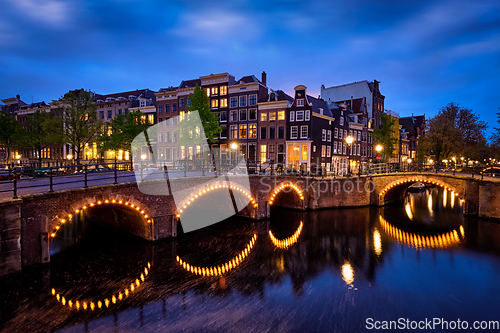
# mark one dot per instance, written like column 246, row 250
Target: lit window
column 323, row 151
column 272, row 116
column 151, row 118
column 281, row 115
column 223, row 90
column 223, row 103
column 304, row 132
column 143, row 119
column 234, row 132
column 263, row 116
column 181, row 115
column 243, row 131
column 263, row 149
column 304, row 152
column 208, row 91
column 328, row 151
column 215, row 103
column 294, row 132
column 252, row 131
column 215, row 91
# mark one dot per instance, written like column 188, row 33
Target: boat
column 416, row 187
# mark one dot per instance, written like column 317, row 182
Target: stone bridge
column 29, row 223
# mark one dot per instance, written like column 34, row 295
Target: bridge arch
column 68, row 216
column 283, row 187
column 400, row 185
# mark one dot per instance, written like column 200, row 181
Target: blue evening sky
column 425, row 53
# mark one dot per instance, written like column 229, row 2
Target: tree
column 386, row 135
column 210, row 120
column 9, row 132
column 122, row 131
column 495, row 137
column 78, row 123
column 455, row 131
column 39, row 133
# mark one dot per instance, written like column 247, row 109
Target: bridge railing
column 26, row 180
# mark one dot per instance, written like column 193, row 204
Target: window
column 223, row 90
column 300, row 115
column 160, row 109
column 344, row 147
column 263, row 116
column 304, row 132
column 272, row 132
column 359, row 148
column 323, row 135
column 189, row 102
column 292, row 115
column 174, row 107
column 252, row 131
column 304, row 152
column 294, row 132
column 272, row 116
column 350, row 134
column 336, row 133
column 167, row 107
column 223, row 116
column 167, row 136
column 359, row 136
column 335, row 147
column 329, row 136
column 243, row 101
column 341, row 121
column 151, row 118
column 126, row 111
column 181, row 115
column 102, row 114
column 119, row 112
column 243, row 115
column 160, row 137
column 243, row 131
column 251, row 152
column 234, row 115
column 252, row 100
column 300, row 102
column 281, row 115
column 215, row 91
column 271, row 150
column 234, row 132
column 223, row 103
column 263, row 133
column 263, row 149
column 110, row 114
column 223, row 133
column 181, row 103
column 345, row 133
column 252, row 114
column 160, row 121
column 281, row 132
column 323, row 151
column 215, row 103
column 308, row 114
column 234, row 102
column 328, row 151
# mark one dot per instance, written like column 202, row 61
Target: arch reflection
column 287, row 242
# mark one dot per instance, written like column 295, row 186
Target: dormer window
column 272, row 97
column 300, row 102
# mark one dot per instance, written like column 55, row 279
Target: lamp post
column 349, row 141
column 234, row 146
column 409, row 163
column 454, row 164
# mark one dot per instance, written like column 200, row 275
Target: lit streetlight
column 349, row 141
column 143, row 157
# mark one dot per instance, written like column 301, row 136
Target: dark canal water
column 322, row 271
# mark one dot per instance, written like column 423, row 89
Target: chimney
column 264, row 78
column 18, row 97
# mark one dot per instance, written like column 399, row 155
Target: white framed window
column 341, row 121
column 335, row 147
column 300, row 102
column 308, row 115
column 323, row 135
column 263, row 116
column 323, row 151
column 328, row 151
column 281, row 115
column 294, row 132
column 345, row 133
column 243, row 101
column 234, row 132
column 243, row 115
column 252, row 100
column 344, row 148
column 340, row 134
column 336, row 133
column 292, row 115
column 329, row 136
column 359, row 149
column 300, row 115
column 304, row 132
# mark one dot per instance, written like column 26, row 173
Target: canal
column 320, row 271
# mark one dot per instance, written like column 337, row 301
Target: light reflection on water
column 325, row 270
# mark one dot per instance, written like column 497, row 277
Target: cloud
column 52, row 12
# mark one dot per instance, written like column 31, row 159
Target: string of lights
column 413, row 180
column 282, row 187
column 285, row 243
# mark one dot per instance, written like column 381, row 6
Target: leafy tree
column 455, row 131
column 210, row 120
column 9, row 132
column 78, row 123
column 123, row 129
column 386, row 135
column 39, row 133
column 495, row 137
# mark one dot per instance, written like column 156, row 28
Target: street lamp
column 349, row 141
column 234, row 156
column 18, row 157
column 143, row 157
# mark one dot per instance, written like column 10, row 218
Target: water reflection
column 334, row 267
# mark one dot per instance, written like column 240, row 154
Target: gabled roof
column 319, row 103
column 410, row 123
column 125, row 94
column 248, row 79
column 189, row 83
column 168, row 89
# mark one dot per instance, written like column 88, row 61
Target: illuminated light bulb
column 137, row 208
column 113, row 201
column 77, row 211
column 106, row 302
column 149, row 221
column 146, row 272
column 142, row 277
column 99, row 304
column 149, row 265
column 69, row 215
column 142, row 212
column 126, row 203
column 63, row 301
column 132, row 288
column 120, row 201
column 106, row 201
column 113, row 299
column 53, row 235
column 84, row 207
column 120, row 296
column 126, row 292
column 91, row 205
column 204, row 191
column 137, row 282
column 70, row 303
column 58, row 297
column 146, row 216
column 85, row 305
column 53, row 291
column 77, row 304
column 92, row 305
column 98, row 202
column 132, row 205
